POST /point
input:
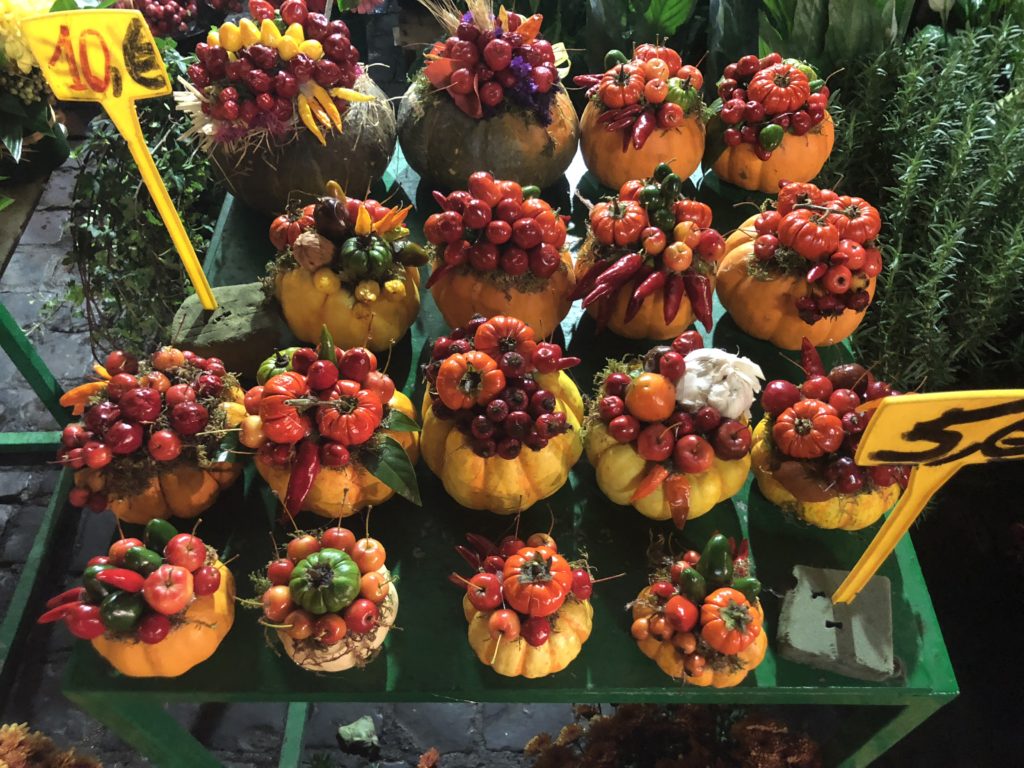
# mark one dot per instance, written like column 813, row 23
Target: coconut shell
column 445, row 145
column 268, row 175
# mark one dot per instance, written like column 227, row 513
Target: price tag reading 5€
column 109, row 56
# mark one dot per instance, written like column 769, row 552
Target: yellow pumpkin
column 505, row 486
column 766, row 309
column 848, row 512
column 620, row 469
column 460, row 294
column 338, row 493
column 310, row 300
column 681, row 147
column 797, row 158
column 571, row 626
column 205, row 624
column 720, row 672
column 649, row 322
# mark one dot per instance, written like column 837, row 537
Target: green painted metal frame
column 440, row 667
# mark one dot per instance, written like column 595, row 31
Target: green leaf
column 732, row 32
column 399, row 422
column 6, row 202
column 714, row 144
column 227, row 450
column 327, row 349
column 810, row 21
column 12, row 135
column 666, row 16
column 393, row 468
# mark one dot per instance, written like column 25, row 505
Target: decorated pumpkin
column 156, row 438
column 700, row 619
column 774, row 123
column 347, row 264
column 803, row 268
column 647, row 266
column 518, row 123
column 527, row 607
column 501, row 419
column 803, row 450
column 152, row 608
column 499, row 250
column 283, row 105
column 640, row 113
column 330, row 598
column 328, row 430
column 668, row 433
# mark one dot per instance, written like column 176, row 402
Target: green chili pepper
column 671, row 187
column 327, row 350
column 692, row 584
column 803, row 66
column 662, row 171
column 143, row 560
column 649, row 195
column 279, row 362
column 325, row 582
column 749, row 586
column 817, row 85
column 96, row 590
column 614, row 57
column 531, row 190
column 771, row 136
column 663, row 218
column 158, row 532
column 121, row 611
column 716, row 562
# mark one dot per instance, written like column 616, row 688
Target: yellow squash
column 620, row 469
column 797, row 158
column 570, row 627
column 766, row 309
column 342, row 492
column 205, row 624
column 310, row 300
column 505, row 486
column 849, row 512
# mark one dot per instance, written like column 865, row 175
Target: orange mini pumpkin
column 765, row 309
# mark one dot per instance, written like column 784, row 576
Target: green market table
column 427, row 658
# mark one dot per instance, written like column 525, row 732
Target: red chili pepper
column 815, row 273
column 72, row 595
column 810, row 360
column 586, row 80
column 481, row 544
column 673, row 296
column 439, row 272
column 613, row 115
column 626, row 136
column 304, row 471
column 615, row 277
column 586, row 283
column 568, row 362
column 698, row 289
column 650, row 284
column 469, row 556
column 58, row 613
column 645, row 125
column 622, row 123
column 122, row 578
column 655, row 476
column 441, row 200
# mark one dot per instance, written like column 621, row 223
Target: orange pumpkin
column 192, row 640
column 681, row 147
column 765, row 309
column 462, row 293
column 797, row 158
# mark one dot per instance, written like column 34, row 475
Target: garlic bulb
column 720, row 379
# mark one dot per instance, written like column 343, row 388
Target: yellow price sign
column 109, row 56
column 936, row 433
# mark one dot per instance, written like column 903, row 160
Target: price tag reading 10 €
column 109, row 56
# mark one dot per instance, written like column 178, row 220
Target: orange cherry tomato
column 678, row 257
column 368, row 554
column 656, row 89
column 687, row 232
column 656, row 69
column 691, row 73
column 374, row 586
column 651, row 397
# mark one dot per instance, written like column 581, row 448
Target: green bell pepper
column 354, row 258
column 325, row 582
column 121, row 611
column 143, row 560
column 158, row 532
column 614, row 57
column 649, row 195
column 279, row 362
column 749, row 586
column 771, row 136
column 663, row 218
column 96, row 590
column 692, row 584
column 716, row 562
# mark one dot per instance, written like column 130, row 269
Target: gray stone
column 511, row 726
column 449, row 727
column 249, row 727
column 853, row 639
column 22, row 484
column 59, row 190
column 46, row 228
column 243, row 330
column 35, row 266
column 19, row 533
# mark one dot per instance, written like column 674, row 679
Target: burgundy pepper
column 698, row 289
column 494, row 564
column 304, row 471
column 816, row 272
column 673, row 296
column 469, row 556
column 810, row 360
column 586, row 283
column 615, row 277
column 586, row 80
column 481, row 544
column 58, row 613
column 649, row 285
column 645, row 125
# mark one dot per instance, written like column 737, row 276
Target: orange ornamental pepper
column 465, row 380
column 503, row 334
column 655, row 476
column 728, row 624
column 621, row 86
column 80, row 396
column 618, row 222
column 536, row 581
column 677, row 494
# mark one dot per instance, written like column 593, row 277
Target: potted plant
column 489, row 96
column 499, row 249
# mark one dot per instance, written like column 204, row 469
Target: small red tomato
column 120, row 548
column 837, row 279
column 693, row 454
column 655, row 442
column 504, row 624
column 277, row 604
column 153, row 628
column 97, row 455
column 179, row 393
column 280, row 571
column 624, row 428
column 672, row 365
column 368, row 554
column 654, row 240
column 78, row 497
column 484, row 591
column 663, row 589
column 299, row 624
column 616, row 384
column 164, row 445
column 330, row 629
column 817, row 388
column 374, row 586
column 124, row 437
column 779, row 395
column 206, row 580
column 670, row 115
column 121, row 384
column 84, row 621
column 582, row 584
column 536, row 630
column 844, row 400
column 610, row 407
column 337, row 538
column 361, row 616
column 509, row 545
column 252, row 400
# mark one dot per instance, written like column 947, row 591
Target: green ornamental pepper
column 354, row 258
column 121, row 611
column 158, row 532
column 378, row 258
column 96, row 590
column 716, row 562
column 749, row 586
column 531, row 191
column 412, row 254
column 671, row 187
column 279, row 362
column 614, row 57
column 771, row 136
column 692, row 584
column 817, row 85
column 325, row 582
column 649, row 195
column 143, row 560
column 663, row 218
column 662, row 170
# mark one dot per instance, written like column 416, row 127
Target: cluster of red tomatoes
column 484, row 377
column 638, row 404
column 819, row 424
column 138, row 589
column 833, row 236
column 496, row 225
column 763, row 98
column 521, row 584
column 344, row 592
column 164, row 410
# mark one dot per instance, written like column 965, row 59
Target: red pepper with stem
column 121, row 578
column 614, row 277
column 305, row 468
column 655, row 476
column 698, row 289
column 810, row 360
column 673, row 296
column 73, row 595
column 58, row 613
column 586, row 283
column 643, row 128
column 441, row 200
column 650, row 284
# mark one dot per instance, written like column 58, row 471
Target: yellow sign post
column 109, row 56
column 937, row 433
